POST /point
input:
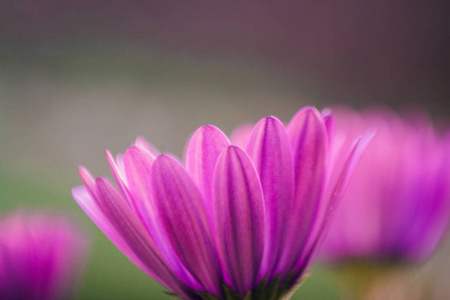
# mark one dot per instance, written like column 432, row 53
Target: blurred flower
column 397, row 204
column 231, row 221
column 396, row 207
column 40, row 257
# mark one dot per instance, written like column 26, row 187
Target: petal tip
column 232, row 148
column 84, row 173
column 132, row 151
column 207, row 126
column 311, row 110
column 100, row 180
column 109, row 156
column 272, row 120
column 164, row 158
column 306, row 111
column 77, row 190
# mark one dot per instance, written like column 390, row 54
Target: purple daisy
column 232, row 222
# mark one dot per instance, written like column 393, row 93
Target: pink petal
column 202, row 152
column 145, row 145
column 239, row 217
column 338, row 191
column 89, row 199
column 137, row 169
column 330, row 124
column 138, row 164
column 88, row 205
column 134, row 234
column 182, row 221
column 120, row 178
column 270, row 151
column 309, row 141
column 241, row 135
column 88, row 182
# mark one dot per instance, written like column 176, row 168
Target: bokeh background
column 78, row 77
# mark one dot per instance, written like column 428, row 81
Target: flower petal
column 145, row 145
column 182, row 222
column 239, row 217
column 330, row 124
column 310, row 146
column 89, row 199
column 270, row 151
column 134, row 234
column 202, row 152
column 120, row 178
column 241, row 135
column 88, row 182
column 335, row 196
column 137, row 169
column 88, row 205
column 138, row 164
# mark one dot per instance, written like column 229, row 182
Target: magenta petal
column 89, row 206
column 88, row 182
column 239, row 217
column 182, row 221
column 202, row 152
column 336, row 195
column 137, row 169
column 143, row 144
column 241, row 135
column 120, row 178
column 310, row 146
column 134, row 234
column 270, row 151
column 330, row 124
column 89, row 199
column 138, row 164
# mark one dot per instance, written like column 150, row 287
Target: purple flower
column 231, row 220
column 40, row 257
column 397, row 204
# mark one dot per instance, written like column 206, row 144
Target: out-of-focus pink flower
column 232, row 219
column 397, row 204
column 41, row 257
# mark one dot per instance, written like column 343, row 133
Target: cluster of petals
column 231, row 215
column 41, row 257
column 397, row 205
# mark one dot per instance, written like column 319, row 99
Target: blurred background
column 79, row 77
